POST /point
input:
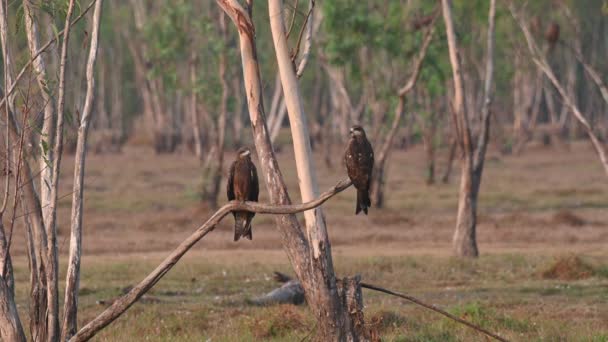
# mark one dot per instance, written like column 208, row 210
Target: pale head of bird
column 244, row 152
column 357, row 131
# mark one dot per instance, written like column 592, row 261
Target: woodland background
column 170, row 110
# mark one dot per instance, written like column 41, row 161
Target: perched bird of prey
column 359, row 160
column 243, row 186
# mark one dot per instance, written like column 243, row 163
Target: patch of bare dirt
column 568, row 218
column 569, row 267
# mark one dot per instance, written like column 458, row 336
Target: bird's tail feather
column 242, row 225
column 363, row 201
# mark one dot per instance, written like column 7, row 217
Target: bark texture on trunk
column 47, row 138
column 464, row 242
column 70, row 308
column 52, row 270
column 324, row 295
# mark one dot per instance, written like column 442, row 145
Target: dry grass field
column 542, row 274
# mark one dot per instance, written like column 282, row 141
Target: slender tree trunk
column 237, row 118
column 47, row 138
column 334, row 323
column 31, row 204
column 10, row 326
column 275, row 129
column 29, row 198
column 216, row 177
column 450, row 160
column 465, row 241
column 379, row 169
column 196, row 126
column 378, row 176
column 274, row 104
column 50, row 224
column 70, row 308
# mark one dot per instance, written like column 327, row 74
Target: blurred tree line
column 169, row 76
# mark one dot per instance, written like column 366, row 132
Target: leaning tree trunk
column 465, row 240
column 70, row 308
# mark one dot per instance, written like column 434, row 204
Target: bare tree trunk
column 70, row 308
column 216, row 175
column 325, row 299
column 275, row 129
column 50, row 224
column 10, row 325
column 237, row 118
column 450, row 160
column 378, row 176
column 379, row 169
column 429, row 128
column 196, row 126
column 47, row 139
column 31, row 204
column 278, row 107
column 274, row 104
column 11, row 328
column 465, row 241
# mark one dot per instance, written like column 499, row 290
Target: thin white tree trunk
column 278, row 108
column 275, row 128
column 318, row 239
column 50, row 221
column 47, row 137
column 11, row 328
column 196, row 127
column 315, row 221
column 274, row 104
column 464, row 241
column 70, row 308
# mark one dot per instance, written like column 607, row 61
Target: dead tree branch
column 122, row 304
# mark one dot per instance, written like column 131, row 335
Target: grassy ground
column 542, row 275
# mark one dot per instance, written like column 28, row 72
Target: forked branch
column 123, row 303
